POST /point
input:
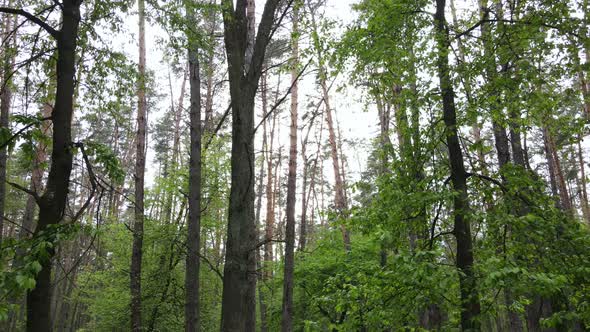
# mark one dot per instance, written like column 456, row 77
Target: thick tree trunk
column 191, row 283
column 470, row 306
column 239, row 281
column 52, row 203
column 289, row 267
column 137, row 250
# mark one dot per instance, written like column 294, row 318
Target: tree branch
column 18, row 133
column 30, row 192
column 32, row 18
column 280, row 101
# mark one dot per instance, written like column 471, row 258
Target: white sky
column 354, row 123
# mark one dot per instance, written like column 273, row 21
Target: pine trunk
column 191, row 283
column 5, row 99
column 584, row 192
column 137, row 250
column 287, row 313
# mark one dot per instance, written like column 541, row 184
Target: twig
column 280, row 101
column 22, row 130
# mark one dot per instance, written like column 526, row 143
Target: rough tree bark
column 52, row 202
column 5, row 99
column 470, row 305
column 191, row 283
column 137, row 250
column 287, row 313
column 584, row 192
column 239, row 282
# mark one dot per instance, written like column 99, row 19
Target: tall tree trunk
column 28, row 221
column 500, row 135
column 584, row 193
column 270, row 193
column 550, row 166
column 287, row 314
column 259, row 258
column 304, row 203
column 502, row 142
column 564, row 198
column 582, row 73
column 339, row 198
column 470, row 305
column 36, row 176
column 137, row 250
column 191, row 283
column 467, row 81
column 239, row 282
column 177, row 122
column 52, row 204
column 339, row 195
column 5, row 99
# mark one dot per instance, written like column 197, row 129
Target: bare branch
column 30, row 192
column 32, row 18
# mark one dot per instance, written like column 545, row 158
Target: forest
column 294, row 165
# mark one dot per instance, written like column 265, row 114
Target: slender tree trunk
column 259, row 258
column 339, row 200
column 5, row 99
column 270, row 193
column 36, row 177
column 137, row 250
column 339, row 195
column 502, row 142
column 467, row 81
column 52, row 204
column 470, row 305
column 311, row 192
column 191, row 284
column 561, row 185
column 584, row 193
column 287, row 314
column 582, row 73
column 556, row 179
column 177, row 122
column 303, row 225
